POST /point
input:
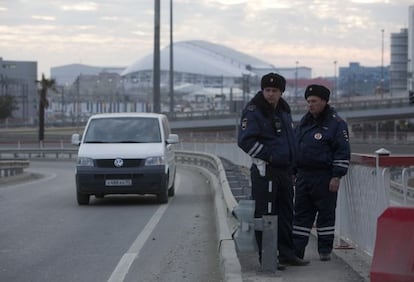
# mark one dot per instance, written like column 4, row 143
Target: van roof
column 128, row 114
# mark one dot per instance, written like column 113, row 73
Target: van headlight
column 83, row 161
column 154, row 161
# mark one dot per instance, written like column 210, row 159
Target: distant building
column 399, row 61
column 357, row 80
column 203, row 65
column 410, row 43
column 206, row 76
column 18, row 78
column 67, row 74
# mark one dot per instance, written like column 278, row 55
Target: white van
column 125, row 153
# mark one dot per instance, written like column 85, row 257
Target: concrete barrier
column 393, row 258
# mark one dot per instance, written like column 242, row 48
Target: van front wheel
column 83, row 199
column 163, row 195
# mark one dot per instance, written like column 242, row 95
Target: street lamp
column 296, row 80
column 171, row 60
column 382, row 54
column 382, row 62
column 156, row 69
column 335, row 82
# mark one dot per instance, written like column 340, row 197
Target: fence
column 365, row 192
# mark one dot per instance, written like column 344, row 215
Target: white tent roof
column 201, row 57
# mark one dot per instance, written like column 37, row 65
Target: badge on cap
column 317, row 136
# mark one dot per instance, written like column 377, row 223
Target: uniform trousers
column 314, row 200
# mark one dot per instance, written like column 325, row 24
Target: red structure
column 393, row 259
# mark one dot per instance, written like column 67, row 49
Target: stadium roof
column 202, row 57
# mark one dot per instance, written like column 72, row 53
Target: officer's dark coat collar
column 260, row 102
column 328, row 111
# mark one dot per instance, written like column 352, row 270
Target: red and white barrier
column 393, row 259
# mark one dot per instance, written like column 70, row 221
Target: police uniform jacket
column 266, row 132
column 323, row 143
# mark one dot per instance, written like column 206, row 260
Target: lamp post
column 382, row 63
column 296, row 81
column 171, row 60
column 156, row 69
column 335, row 82
column 382, row 54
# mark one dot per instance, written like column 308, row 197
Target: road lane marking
column 121, row 270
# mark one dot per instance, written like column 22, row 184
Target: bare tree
column 8, row 104
column 45, row 85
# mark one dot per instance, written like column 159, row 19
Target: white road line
column 121, row 270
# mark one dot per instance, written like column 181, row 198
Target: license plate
column 118, row 182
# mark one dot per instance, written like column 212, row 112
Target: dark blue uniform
column 323, row 152
column 266, row 134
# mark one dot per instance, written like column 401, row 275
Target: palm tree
column 45, row 85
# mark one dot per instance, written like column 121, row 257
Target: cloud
column 44, row 18
column 314, row 32
column 81, row 6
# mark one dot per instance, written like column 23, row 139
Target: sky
column 284, row 33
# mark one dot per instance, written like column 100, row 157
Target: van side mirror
column 76, row 139
column 172, row 139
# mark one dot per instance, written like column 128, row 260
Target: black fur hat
column 317, row 90
column 273, row 80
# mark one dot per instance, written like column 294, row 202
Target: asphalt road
column 46, row 236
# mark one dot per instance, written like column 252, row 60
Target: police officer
column 266, row 134
column 322, row 158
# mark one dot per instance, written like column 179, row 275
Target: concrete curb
column 229, row 261
column 359, row 261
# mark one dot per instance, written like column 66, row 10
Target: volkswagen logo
column 118, row 162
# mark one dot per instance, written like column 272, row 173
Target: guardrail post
column 245, row 239
column 244, row 236
column 268, row 225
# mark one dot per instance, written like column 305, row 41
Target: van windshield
column 123, row 130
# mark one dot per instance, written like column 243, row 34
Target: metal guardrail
column 12, row 167
column 21, row 157
column 205, row 160
column 215, row 166
column 39, row 153
column 400, row 189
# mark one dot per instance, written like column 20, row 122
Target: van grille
column 108, row 163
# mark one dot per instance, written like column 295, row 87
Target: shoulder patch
column 346, row 137
column 251, row 107
column 336, row 117
column 244, row 124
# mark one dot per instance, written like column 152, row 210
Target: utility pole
column 77, row 102
column 156, row 70
column 335, row 82
column 296, row 81
column 382, row 61
column 171, row 60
